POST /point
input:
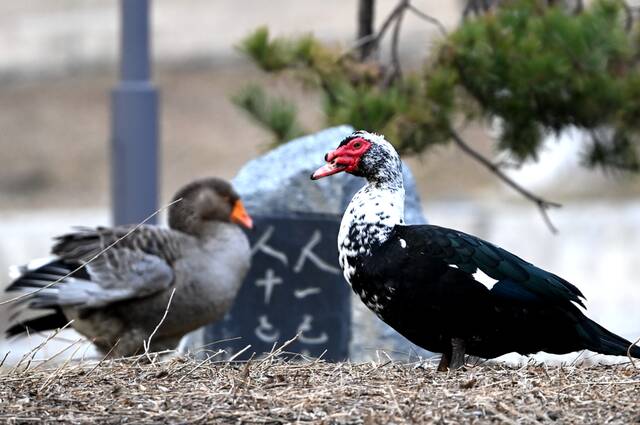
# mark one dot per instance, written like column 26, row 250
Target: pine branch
column 272, row 113
column 375, row 39
column 476, row 7
column 396, row 72
column 372, row 41
column 628, row 11
column 428, row 18
column 542, row 204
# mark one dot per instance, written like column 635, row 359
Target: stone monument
column 295, row 285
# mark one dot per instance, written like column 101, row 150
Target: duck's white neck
column 375, row 207
column 369, row 219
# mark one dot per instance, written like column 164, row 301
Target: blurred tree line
column 532, row 67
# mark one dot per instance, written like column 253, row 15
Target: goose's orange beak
column 239, row 215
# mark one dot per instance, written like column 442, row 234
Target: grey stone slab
column 278, row 182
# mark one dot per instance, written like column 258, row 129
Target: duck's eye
column 357, row 145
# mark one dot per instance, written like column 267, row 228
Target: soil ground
column 308, row 391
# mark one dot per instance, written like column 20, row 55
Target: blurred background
column 59, row 63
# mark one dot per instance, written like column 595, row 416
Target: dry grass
column 274, row 390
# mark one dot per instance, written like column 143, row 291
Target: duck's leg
column 444, row 362
column 457, row 353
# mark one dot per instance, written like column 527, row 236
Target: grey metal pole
column 134, row 121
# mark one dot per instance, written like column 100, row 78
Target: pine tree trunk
column 366, row 16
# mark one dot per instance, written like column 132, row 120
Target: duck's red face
column 345, row 158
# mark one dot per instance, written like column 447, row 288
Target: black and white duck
column 424, row 280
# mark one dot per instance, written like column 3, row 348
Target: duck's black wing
column 515, row 277
column 533, row 310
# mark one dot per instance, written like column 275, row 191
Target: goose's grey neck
column 216, row 229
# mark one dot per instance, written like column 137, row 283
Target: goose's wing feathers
column 135, row 267
column 119, row 275
column 86, row 242
column 516, row 277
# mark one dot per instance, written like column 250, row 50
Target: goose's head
column 207, row 201
column 365, row 155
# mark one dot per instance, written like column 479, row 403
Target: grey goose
column 120, row 297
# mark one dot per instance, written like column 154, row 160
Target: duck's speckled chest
column 376, row 293
column 367, row 222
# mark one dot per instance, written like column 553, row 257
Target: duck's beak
column 335, row 164
column 327, row 170
column 240, row 215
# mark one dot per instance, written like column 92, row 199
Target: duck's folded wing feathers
column 137, row 266
column 85, row 242
column 470, row 253
column 127, row 274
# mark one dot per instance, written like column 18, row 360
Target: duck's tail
column 47, row 322
column 606, row 342
column 32, row 281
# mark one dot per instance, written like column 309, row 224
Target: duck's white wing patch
column 403, row 243
column 15, row 271
column 485, row 279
